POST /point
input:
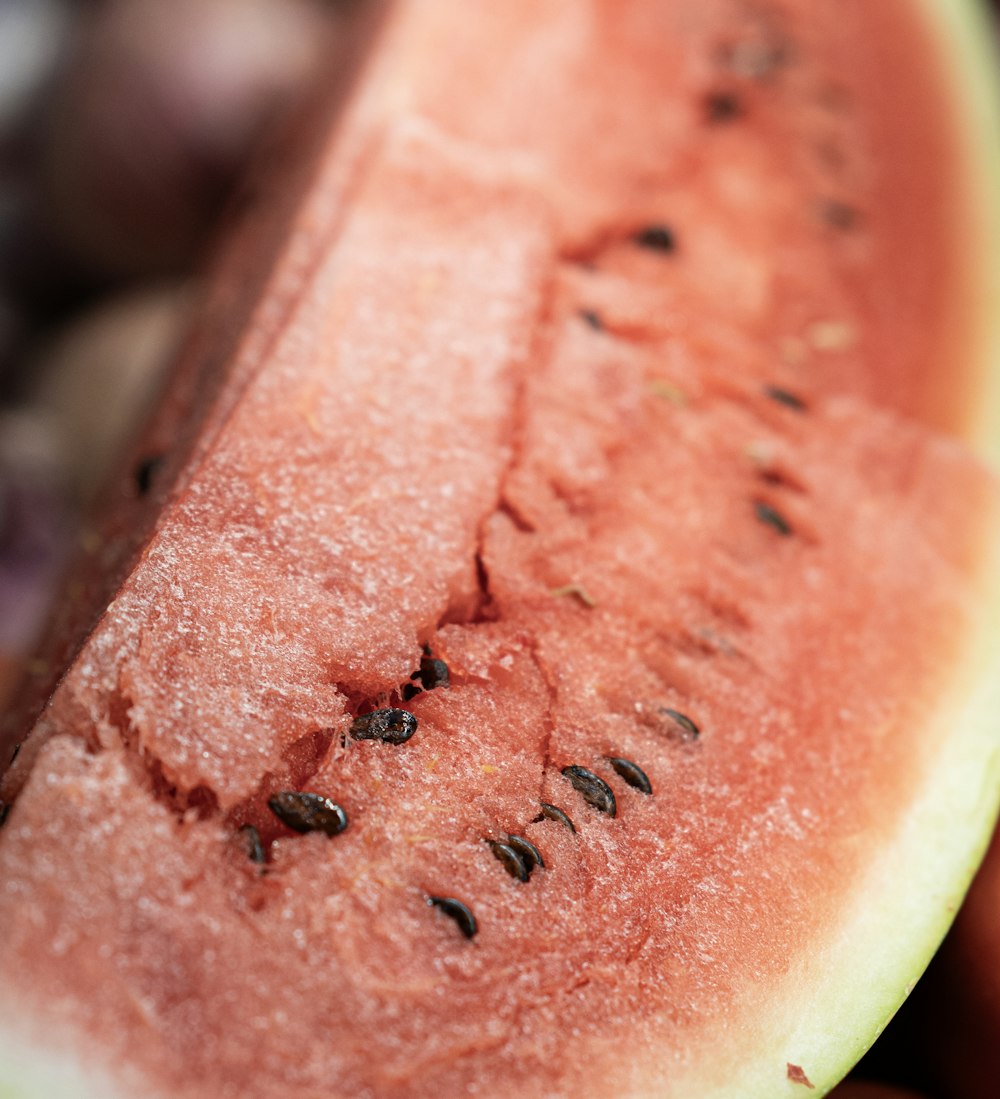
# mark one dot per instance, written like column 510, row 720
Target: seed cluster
column 306, row 811
column 518, row 856
column 530, row 855
column 509, row 859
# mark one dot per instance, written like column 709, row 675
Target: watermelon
column 556, row 653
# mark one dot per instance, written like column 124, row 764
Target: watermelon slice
column 560, row 655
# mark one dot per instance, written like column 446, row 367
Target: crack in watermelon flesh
column 587, row 475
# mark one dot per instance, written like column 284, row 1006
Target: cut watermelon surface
column 604, row 437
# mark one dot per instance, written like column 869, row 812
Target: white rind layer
column 31, row 1068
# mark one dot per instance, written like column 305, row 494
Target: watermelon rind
column 31, row 1070
column 908, row 899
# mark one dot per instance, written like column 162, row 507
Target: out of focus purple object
column 33, row 528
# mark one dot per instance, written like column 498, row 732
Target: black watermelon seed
column 410, row 691
column 145, row 473
column 659, row 238
column 433, row 673
column 553, row 812
column 392, row 726
column 305, row 812
column 530, row 855
column 840, row 215
column 595, row 791
column 460, row 913
column 588, row 316
column 255, row 849
column 512, row 861
column 772, row 518
column 785, row 397
column 683, row 721
column 632, row 773
column 722, row 106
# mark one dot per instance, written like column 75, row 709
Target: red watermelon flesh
column 515, row 424
column 806, row 154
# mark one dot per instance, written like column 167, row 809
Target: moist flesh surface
column 609, row 435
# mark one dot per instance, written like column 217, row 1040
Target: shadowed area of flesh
column 567, row 515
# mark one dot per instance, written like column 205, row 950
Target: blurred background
column 125, row 126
